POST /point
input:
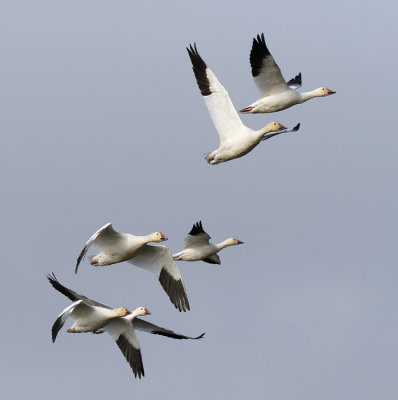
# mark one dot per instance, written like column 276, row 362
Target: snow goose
column 236, row 139
column 276, row 94
column 121, row 329
column 89, row 316
column 197, row 246
column 117, row 247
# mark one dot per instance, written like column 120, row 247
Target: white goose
column 122, row 329
column 197, row 246
column 117, row 247
column 236, row 139
column 276, row 94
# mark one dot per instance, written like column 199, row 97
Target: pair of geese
column 120, row 323
column 236, row 140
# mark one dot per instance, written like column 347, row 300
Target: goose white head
column 273, row 127
column 158, row 237
column 141, row 311
column 122, row 311
column 322, row 91
column 233, row 242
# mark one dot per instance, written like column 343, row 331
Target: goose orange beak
column 147, row 312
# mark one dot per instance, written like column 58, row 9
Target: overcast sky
column 102, row 121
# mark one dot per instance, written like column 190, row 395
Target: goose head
column 122, row 311
column 233, row 242
column 141, row 311
column 158, row 237
column 322, row 91
column 274, row 127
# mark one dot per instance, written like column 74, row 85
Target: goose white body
column 276, row 94
column 117, row 247
column 88, row 318
column 198, row 246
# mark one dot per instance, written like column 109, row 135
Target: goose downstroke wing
column 222, row 112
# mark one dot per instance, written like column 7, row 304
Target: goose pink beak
column 163, row 237
column 240, row 242
column 331, row 91
column 128, row 311
column 281, row 127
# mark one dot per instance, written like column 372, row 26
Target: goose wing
column 295, row 82
column 197, row 236
column 145, row 326
column 123, row 333
column 105, row 236
column 222, row 112
column 60, row 321
column 70, row 294
column 159, row 260
column 265, row 70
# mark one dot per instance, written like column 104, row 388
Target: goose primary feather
column 236, row 139
column 117, row 247
column 276, row 94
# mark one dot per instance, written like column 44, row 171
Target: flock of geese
column 236, row 140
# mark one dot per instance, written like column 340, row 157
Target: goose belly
column 276, row 102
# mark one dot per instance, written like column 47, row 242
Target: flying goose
column 121, row 328
column 236, row 139
column 117, row 247
column 276, row 94
column 197, row 246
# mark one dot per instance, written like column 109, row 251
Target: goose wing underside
column 222, row 112
column 159, row 260
column 265, row 70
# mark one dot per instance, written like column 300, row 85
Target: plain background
column 102, row 120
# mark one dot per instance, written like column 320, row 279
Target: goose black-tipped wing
column 213, row 259
column 123, row 333
column 60, row 321
column 295, row 82
column 70, row 294
column 197, row 236
column 222, row 112
column 132, row 355
column 145, row 326
column 159, row 260
column 174, row 289
column 105, row 236
column 265, row 71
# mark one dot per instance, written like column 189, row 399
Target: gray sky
column 102, row 121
